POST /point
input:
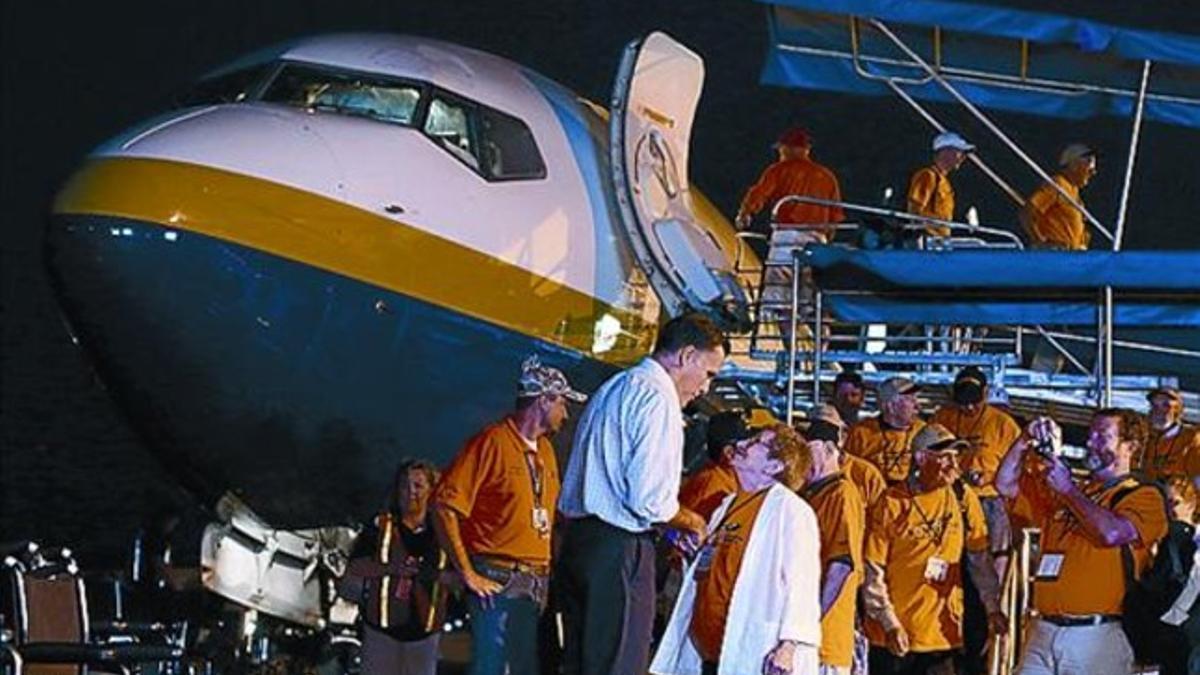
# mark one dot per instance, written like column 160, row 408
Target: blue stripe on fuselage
column 299, row 386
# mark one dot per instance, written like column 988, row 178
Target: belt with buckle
column 1087, row 620
column 518, row 579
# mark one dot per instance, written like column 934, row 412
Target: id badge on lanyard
column 1049, row 566
column 541, row 521
column 936, row 570
column 540, row 517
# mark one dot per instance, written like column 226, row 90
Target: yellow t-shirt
column 704, row 490
column 1091, row 579
column 717, row 571
column 866, row 477
column 990, row 433
column 883, row 446
column 490, row 487
column 904, row 532
column 1164, row 456
column 1054, row 222
column 841, row 519
column 931, row 194
column 797, row 176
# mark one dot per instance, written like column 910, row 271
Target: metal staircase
column 796, row 348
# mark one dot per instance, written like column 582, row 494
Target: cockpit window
column 232, row 87
column 508, row 147
column 495, row 145
column 345, row 93
column 448, row 123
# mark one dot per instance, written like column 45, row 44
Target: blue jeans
column 504, row 633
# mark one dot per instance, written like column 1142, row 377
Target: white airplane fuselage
column 336, row 254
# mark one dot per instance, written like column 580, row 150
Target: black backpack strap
column 1127, row 549
column 1174, row 552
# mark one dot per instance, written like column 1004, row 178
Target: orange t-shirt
column 796, row 177
column 490, row 486
column 866, row 477
column 714, row 583
column 1177, row 455
column 904, row 532
column 931, row 194
column 1091, row 579
column 990, row 433
column 1054, row 222
column 841, row 519
column 883, row 446
column 704, row 490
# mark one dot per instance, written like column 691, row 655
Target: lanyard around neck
column 937, row 530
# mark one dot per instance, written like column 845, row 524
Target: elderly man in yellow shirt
column 930, row 193
column 923, row 536
column 989, row 432
column 841, row 521
column 1173, row 448
column 884, row 440
column 1049, row 219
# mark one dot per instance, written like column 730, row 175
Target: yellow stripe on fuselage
column 347, row 240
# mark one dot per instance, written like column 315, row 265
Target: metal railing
column 904, row 220
column 1016, row 591
column 798, row 335
column 808, row 340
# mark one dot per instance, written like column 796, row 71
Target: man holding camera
column 1080, row 578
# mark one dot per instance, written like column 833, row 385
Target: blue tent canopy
column 1153, row 289
column 937, row 310
column 1034, row 62
column 853, row 269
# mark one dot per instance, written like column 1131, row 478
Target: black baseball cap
column 969, row 385
column 725, row 428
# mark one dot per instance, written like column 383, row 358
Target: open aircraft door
column 654, row 103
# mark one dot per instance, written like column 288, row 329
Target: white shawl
column 775, row 597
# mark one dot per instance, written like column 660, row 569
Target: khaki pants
column 1076, row 650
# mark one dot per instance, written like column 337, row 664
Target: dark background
column 72, row 471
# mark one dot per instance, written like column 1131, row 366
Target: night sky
column 72, row 471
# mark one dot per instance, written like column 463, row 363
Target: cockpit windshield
column 492, row 143
column 345, row 93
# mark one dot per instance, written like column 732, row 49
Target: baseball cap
column 1169, row 392
column 949, row 139
column 1073, row 152
column 895, row 387
column 824, row 424
column 795, row 137
column 538, row 380
column 969, row 385
column 937, row 438
column 725, row 428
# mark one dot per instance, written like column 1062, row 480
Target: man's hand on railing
column 742, row 221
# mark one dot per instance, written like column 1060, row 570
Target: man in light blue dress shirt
column 622, row 481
